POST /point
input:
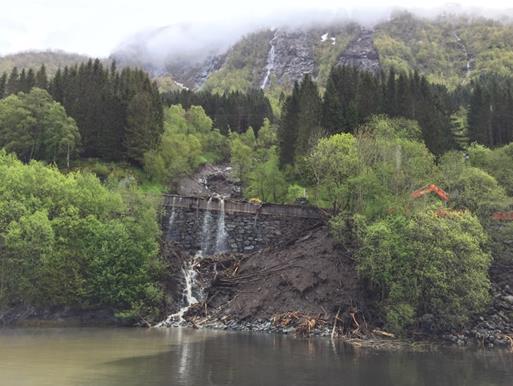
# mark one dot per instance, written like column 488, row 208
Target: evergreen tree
column 41, row 80
column 332, row 112
column 308, row 117
column 12, row 86
column 3, row 84
column 287, row 130
column 30, row 80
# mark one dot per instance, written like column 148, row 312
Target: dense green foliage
column 34, row 126
column 232, row 111
column 67, row 240
column 426, row 264
column 352, row 97
column 449, row 50
column 255, row 163
column 189, row 140
column 119, row 114
column 414, row 258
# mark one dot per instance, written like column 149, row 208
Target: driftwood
column 383, row 333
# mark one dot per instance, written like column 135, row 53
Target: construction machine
column 432, row 188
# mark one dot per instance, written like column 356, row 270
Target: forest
column 88, row 150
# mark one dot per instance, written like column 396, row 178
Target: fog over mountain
column 195, row 41
column 96, row 28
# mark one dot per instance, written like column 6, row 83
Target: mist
column 195, row 28
column 194, row 41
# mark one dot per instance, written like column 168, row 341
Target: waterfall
column 191, row 286
column 462, row 45
column 221, row 229
column 188, row 298
column 205, row 229
column 270, row 63
column 172, row 216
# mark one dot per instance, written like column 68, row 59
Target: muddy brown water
column 126, row 357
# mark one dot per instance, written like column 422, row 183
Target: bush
column 426, row 264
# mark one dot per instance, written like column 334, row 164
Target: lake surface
column 126, row 357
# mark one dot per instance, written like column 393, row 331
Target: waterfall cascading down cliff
column 205, row 229
column 221, row 229
column 270, row 63
column 191, row 285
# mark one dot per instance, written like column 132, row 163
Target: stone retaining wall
column 248, row 227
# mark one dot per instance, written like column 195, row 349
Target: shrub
column 426, row 264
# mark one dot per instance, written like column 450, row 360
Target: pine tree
column 12, row 86
column 480, row 117
column 309, row 116
column 391, row 94
column 287, row 130
column 41, row 80
column 22, row 82
column 332, row 112
column 3, row 84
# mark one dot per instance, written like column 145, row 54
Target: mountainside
column 448, row 49
column 34, row 59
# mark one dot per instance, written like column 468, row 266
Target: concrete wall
column 248, row 227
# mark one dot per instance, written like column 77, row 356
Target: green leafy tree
column 448, row 280
column 34, row 126
column 266, row 181
column 68, row 241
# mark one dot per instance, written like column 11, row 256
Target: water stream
column 462, row 45
column 205, row 229
column 270, row 63
column 192, row 288
column 221, row 229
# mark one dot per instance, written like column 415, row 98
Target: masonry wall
column 248, row 227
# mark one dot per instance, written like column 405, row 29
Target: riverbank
column 28, row 316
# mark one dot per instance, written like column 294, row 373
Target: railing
column 232, row 207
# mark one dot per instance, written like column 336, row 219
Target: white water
column 173, row 213
column 270, row 63
column 205, row 229
column 189, row 268
column 190, row 275
column 221, row 230
column 464, row 48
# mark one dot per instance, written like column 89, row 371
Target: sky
column 97, row 27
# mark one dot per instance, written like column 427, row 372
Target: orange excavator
column 432, row 188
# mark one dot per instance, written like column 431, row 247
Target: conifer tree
column 287, row 130
column 12, row 86
column 3, row 84
column 308, row 117
column 41, row 80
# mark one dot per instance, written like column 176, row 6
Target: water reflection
column 115, row 357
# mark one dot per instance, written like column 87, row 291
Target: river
column 179, row 356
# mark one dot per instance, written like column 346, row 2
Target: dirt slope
column 311, row 275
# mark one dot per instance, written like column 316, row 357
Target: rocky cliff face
column 267, row 59
column 292, row 56
column 361, row 53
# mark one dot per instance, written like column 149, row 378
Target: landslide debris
column 301, row 284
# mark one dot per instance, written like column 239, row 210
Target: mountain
column 34, row 59
column 448, row 49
